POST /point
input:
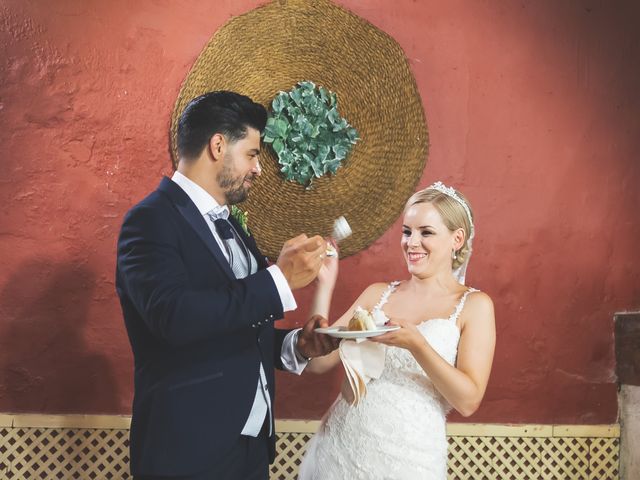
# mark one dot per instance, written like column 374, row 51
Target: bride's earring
column 453, row 255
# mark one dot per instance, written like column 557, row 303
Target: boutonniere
column 241, row 218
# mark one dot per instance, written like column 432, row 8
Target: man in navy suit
column 199, row 304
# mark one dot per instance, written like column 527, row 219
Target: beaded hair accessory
column 450, row 192
column 461, row 272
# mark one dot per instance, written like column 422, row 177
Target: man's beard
column 233, row 187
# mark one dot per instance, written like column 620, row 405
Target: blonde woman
column 440, row 357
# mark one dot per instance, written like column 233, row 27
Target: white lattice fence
column 96, row 447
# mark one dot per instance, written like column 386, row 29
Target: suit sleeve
column 280, row 335
column 155, row 278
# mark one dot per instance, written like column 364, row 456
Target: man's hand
column 312, row 344
column 300, row 259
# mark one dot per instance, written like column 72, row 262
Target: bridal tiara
column 450, row 192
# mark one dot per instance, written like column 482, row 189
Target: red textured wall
column 532, row 110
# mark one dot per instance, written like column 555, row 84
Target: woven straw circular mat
column 274, row 47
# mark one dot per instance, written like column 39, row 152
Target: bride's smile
column 415, row 257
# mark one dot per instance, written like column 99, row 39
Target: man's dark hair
column 228, row 113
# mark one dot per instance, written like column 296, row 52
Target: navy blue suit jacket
column 197, row 333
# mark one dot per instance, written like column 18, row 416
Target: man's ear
column 217, row 146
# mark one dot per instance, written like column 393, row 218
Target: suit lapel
column 193, row 217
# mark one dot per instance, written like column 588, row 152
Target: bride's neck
column 434, row 285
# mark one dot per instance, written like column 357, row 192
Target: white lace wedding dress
column 398, row 430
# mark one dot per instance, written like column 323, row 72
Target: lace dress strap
column 385, row 295
column 454, row 316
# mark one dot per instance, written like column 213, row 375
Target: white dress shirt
column 291, row 361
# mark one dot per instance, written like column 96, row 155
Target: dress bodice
column 442, row 334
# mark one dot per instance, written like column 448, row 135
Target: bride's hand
column 328, row 273
column 407, row 337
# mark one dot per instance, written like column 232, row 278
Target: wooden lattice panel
column 493, row 457
column 565, row 458
column 77, row 447
column 604, row 458
column 290, row 448
column 63, row 453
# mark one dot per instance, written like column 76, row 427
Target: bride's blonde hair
column 453, row 215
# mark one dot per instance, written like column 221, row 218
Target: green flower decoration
column 241, row 218
column 307, row 133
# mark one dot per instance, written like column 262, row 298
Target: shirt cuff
column 292, row 361
column 286, row 295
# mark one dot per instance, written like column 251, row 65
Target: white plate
column 341, row 332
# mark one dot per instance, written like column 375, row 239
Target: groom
column 199, row 304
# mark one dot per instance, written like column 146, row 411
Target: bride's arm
column 320, row 302
column 320, row 305
column 463, row 385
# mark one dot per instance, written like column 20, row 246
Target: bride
column 440, row 357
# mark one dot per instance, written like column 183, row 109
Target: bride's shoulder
column 478, row 305
column 478, row 296
column 478, row 300
column 374, row 291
